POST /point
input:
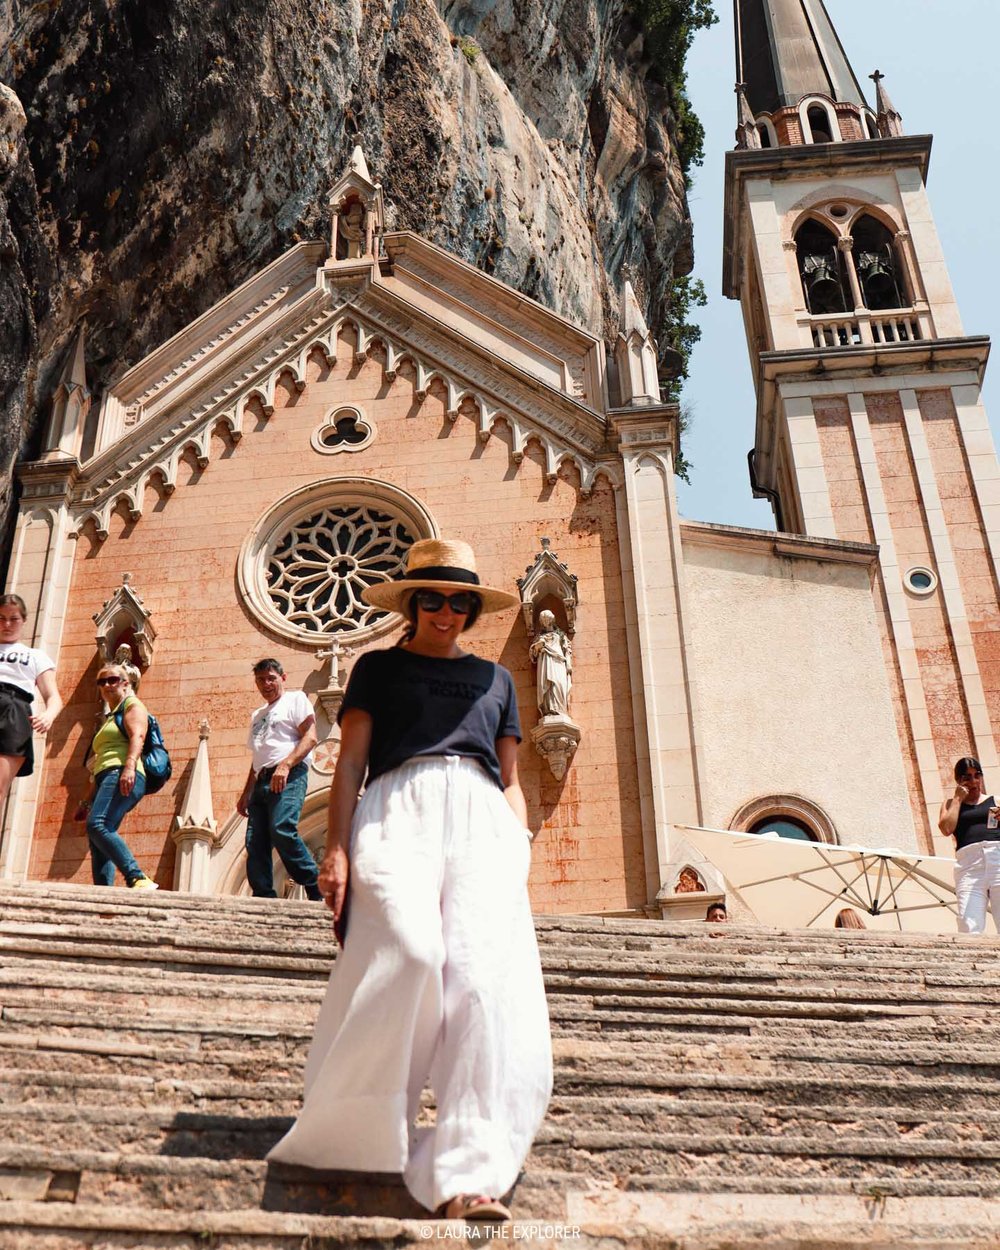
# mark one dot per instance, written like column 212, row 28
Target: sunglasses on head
column 109, row 681
column 461, row 603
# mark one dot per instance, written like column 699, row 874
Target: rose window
column 319, row 568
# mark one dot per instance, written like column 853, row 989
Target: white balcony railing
column 861, row 328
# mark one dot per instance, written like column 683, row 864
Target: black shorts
column 15, row 727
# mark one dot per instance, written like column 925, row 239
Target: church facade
column 231, row 495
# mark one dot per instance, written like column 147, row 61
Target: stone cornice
column 398, row 245
column 506, row 386
column 567, row 430
column 827, row 161
column 207, row 333
column 768, row 542
column 51, row 480
column 652, row 427
column 863, row 368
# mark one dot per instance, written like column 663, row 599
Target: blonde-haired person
column 115, row 762
column 439, row 973
column 24, row 673
column 848, row 918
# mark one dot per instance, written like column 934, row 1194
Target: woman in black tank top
column 972, row 818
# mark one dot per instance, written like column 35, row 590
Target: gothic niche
column 357, row 212
column 548, row 602
column 875, row 259
column 821, row 269
column 125, row 631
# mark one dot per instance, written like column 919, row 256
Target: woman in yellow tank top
column 119, row 781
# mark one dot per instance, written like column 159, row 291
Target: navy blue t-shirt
column 421, row 705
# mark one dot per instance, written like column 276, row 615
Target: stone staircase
column 715, row 1088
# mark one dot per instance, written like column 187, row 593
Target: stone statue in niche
column 125, row 660
column 552, row 653
column 352, row 227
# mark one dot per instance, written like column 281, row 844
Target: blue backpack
column 155, row 757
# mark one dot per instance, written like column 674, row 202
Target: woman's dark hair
column 14, row 601
column 967, row 764
column 410, row 612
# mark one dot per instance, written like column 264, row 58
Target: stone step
column 176, row 1183
column 671, row 1222
column 232, row 980
column 781, row 1094
column 612, row 1063
column 242, row 1132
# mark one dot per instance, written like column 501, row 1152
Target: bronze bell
column 822, row 285
column 877, row 274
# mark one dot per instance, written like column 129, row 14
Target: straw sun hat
column 438, row 564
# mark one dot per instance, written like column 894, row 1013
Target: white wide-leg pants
column 439, row 978
column 977, row 882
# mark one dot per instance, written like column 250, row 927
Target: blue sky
column 939, row 64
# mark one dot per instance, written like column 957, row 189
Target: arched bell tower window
column 819, row 122
column 871, row 126
column 766, row 131
column 877, row 264
column 821, row 269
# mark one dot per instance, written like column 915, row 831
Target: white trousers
column 977, row 881
column 439, row 978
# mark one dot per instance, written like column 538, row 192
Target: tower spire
column 788, row 49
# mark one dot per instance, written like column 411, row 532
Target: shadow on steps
column 306, row 1191
column 312, row 1192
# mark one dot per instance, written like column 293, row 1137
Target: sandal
column 474, row 1207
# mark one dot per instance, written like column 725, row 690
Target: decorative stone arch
column 548, row 577
column 838, row 193
column 820, row 266
column 274, row 561
column 806, row 107
column 882, row 213
column 766, row 127
column 870, row 123
column 794, row 806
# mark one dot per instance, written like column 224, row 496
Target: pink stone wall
column 853, row 524
column 972, row 559
column 183, row 553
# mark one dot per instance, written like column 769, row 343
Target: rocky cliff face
column 172, row 149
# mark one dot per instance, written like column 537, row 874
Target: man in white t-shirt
column 282, row 736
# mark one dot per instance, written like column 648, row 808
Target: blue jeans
column 273, row 825
column 107, row 811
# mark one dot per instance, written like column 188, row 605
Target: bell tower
column 870, row 426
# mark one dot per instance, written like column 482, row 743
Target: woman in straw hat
column 439, row 975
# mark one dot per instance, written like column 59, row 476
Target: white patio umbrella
column 793, row 884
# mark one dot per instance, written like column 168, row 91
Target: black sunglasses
column 461, row 603
column 109, row 681
column 969, row 776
